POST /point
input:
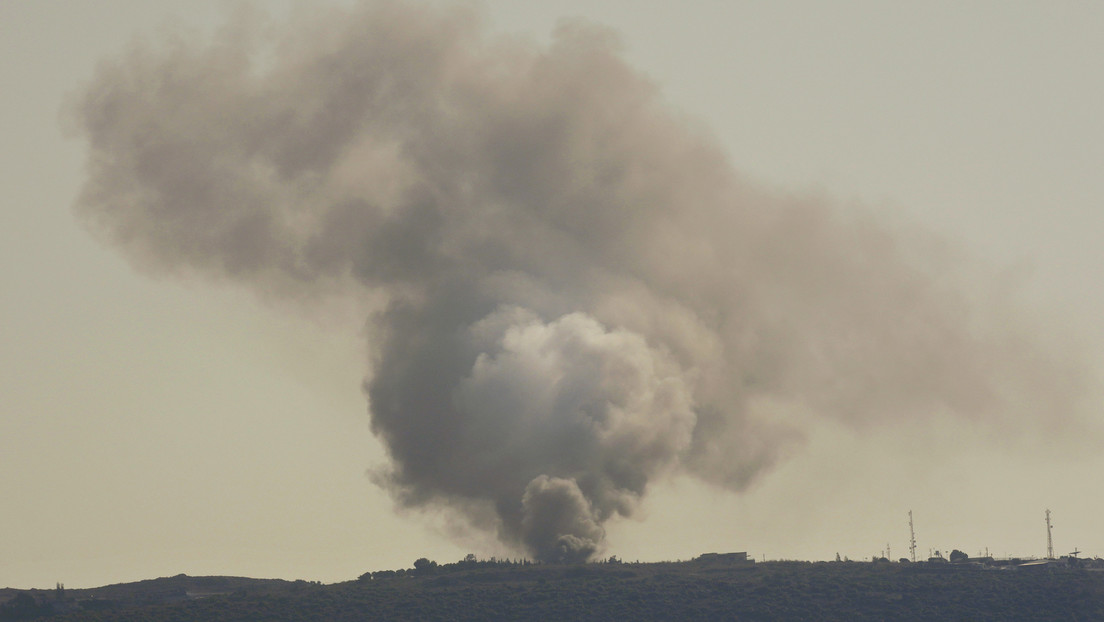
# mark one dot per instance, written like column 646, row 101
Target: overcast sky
column 153, row 426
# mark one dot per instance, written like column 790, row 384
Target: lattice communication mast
column 912, row 537
column 1050, row 542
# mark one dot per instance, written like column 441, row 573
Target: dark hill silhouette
column 708, row 590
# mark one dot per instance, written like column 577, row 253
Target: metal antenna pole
column 912, row 538
column 1050, row 542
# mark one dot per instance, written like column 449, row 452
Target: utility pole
column 912, row 538
column 1050, row 542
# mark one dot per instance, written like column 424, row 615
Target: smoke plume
column 581, row 295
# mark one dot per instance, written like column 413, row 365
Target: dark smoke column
column 576, row 294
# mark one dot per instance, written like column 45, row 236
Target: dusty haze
column 574, row 294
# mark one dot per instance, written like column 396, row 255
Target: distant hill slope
column 659, row 591
column 35, row 603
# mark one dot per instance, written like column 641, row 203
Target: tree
column 958, row 556
column 423, row 566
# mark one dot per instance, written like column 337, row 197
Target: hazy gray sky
column 151, row 426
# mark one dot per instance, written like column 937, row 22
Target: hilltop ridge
column 708, row 587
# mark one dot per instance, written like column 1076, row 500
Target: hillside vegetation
column 656, row 591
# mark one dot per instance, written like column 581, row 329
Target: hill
column 655, row 591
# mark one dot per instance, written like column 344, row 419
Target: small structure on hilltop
column 1039, row 564
column 724, row 558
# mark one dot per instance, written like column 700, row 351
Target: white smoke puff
column 568, row 399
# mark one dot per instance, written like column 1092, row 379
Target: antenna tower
column 1050, row 543
column 912, row 537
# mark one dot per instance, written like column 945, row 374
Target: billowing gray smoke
column 581, row 295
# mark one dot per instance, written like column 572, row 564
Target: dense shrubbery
column 24, row 607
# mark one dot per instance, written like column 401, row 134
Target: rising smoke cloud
column 580, row 294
